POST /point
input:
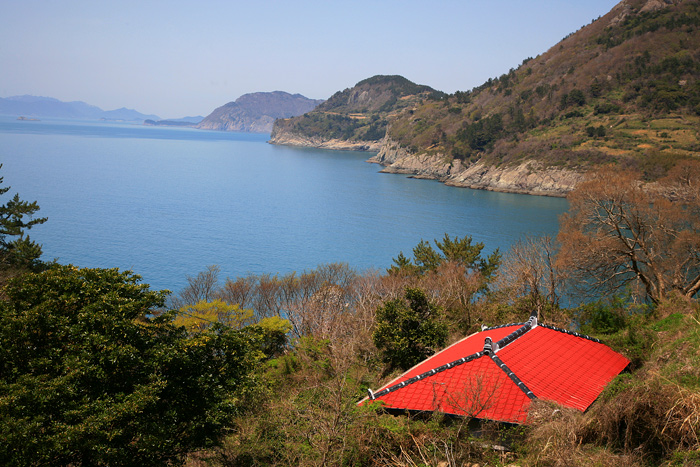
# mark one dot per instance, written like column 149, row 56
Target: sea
column 166, row 203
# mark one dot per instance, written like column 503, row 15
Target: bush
column 601, row 318
column 409, row 331
column 606, row 108
column 651, row 418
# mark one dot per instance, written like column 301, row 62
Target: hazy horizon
column 177, row 59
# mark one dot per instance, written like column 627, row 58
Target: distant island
column 256, row 112
column 179, row 122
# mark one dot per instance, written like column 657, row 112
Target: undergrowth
column 648, row 415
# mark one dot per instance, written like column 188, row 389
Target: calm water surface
column 166, row 203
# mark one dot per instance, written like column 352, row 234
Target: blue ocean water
column 167, row 202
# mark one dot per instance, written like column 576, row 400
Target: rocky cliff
column 293, row 139
column 256, row 112
column 528, row 177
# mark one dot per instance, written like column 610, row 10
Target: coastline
column 529, row 177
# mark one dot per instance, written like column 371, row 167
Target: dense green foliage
column 88, row 377
column 409, row 331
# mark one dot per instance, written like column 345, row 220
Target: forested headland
column 97, row 369
column 621, row 90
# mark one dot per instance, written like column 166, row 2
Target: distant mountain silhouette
column 36, row 106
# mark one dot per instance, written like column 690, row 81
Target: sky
column 184, row 58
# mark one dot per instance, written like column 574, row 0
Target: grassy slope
column 636, row 76
column 647, row 416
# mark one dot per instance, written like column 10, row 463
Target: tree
column 577, row 97
column 407, row 331
column 204, row 315
column 16, row 250
column 619, row 233
column 529, row 272
column 88, row 375
column 203, row 287
column 459, row 250
column 271, row 333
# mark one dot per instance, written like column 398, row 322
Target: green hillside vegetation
column 360, row 113
column 622, row 89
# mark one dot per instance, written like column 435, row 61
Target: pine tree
column 16, row 249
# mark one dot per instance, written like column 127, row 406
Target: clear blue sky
column 175, row 58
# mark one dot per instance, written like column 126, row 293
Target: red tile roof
column 526, row 361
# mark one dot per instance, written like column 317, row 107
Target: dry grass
column 555, row 438
column 653, row 420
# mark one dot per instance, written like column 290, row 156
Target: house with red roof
column 495, row 374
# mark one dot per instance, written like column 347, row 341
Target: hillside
column 355, row 118
column 623, row 89
column 34, row 106
column 257, row 111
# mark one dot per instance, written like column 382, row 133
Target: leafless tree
column 239, row 291
column 202, row 287
column 529, row 270
column 476, row 395
column 618, row 233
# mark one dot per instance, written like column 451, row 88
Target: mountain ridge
column 40, row 106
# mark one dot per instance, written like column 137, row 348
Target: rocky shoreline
column 529, row 177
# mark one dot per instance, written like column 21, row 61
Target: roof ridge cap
column 527, row 326
column 441, row 368
column 518, row 382
column 484, row 328
column 573, row 333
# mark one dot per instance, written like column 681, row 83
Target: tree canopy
column 407, row 331
column 88, row 375
column 457, row 250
